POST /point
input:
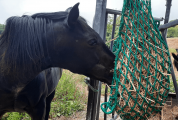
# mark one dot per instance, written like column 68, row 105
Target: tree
column 2, row 28
column 173, row 31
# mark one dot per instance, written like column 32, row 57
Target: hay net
column 140, row 84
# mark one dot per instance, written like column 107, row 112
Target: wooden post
column 93, row 106
column 164, row 34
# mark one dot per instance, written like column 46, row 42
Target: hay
column 140, row 83
column 167, row 113
column 146, row 93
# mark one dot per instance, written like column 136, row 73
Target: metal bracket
column 115, row 117
column 87, row 79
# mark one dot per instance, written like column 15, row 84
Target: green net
column 140, row 84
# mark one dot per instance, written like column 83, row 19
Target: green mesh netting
column 140, row 84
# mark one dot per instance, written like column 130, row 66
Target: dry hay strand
column 167, row 113
column 141, row 86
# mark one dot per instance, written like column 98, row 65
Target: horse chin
column 101, row 73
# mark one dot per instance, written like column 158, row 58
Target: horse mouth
column 100, row 72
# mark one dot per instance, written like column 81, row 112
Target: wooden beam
column 168, row 25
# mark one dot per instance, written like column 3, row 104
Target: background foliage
column 173, row 31
column 2, row 28
column 109, row 27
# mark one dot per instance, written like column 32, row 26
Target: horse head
column 78, row 48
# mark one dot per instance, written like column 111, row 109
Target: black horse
column 32, row 48
column 175, row 62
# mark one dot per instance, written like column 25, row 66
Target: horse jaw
column 101, row 73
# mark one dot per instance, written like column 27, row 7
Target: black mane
column 51, row 16
column 22, row 42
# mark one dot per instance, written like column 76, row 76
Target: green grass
column 172, row 50
column 68, row 99
column 103, row 89
column 16, row 116
column 172, row 89
column 1, row 28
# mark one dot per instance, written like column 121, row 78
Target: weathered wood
column 159, row 19
column 105, row 26
column 99, row 21
column 168, row 9
column 94, row 98
column 105, row 99
column 113, row 31
column 90, row 104
column 98, row 101
column 164, row 34
column 111, row 11
column 168, row 25
column 172, row 70
column 106, row 89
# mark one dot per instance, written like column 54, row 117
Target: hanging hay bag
column 140, row 84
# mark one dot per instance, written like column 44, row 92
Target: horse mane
column 23, row 41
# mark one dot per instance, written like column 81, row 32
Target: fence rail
column 168, row 25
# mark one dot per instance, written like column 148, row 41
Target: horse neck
column 26, row 77
column 45, row 63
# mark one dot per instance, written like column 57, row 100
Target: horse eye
column 92, row 42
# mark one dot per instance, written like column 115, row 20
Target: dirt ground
column 169, row 112
column 172, row 43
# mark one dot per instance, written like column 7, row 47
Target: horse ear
column 175, row 56
column 73, row 15
column 68, row 9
